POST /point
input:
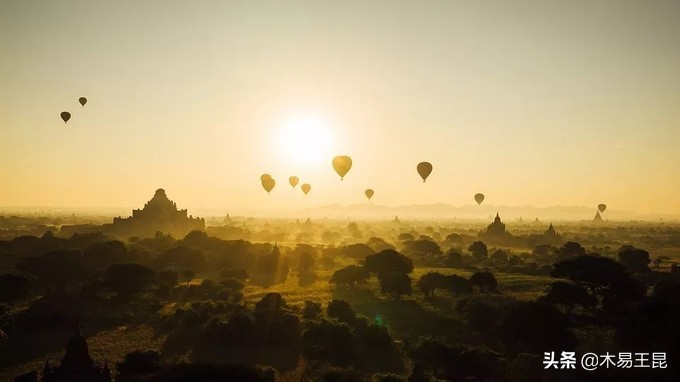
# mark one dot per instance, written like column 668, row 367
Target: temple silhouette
column 496, row 233
column 77, row 365
column 598, row 217
column 160, row 214
column 549, row 237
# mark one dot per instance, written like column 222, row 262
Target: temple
column 77, row 365
column 549, row 237
column 159, row 214
column 496, row 233
column 598, row 217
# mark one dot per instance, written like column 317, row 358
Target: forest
column 284, row 300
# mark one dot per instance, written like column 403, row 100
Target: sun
column 305, row 139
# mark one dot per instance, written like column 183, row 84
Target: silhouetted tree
column 500, row 256
column 570, row 249
column 350, row 276
column 13, row 287
column 168, row 277
column 458, row 285
column 341, row 310
column 427, row 247
column 405, row 237
column 378, row 244
column 569, row 294
column 357, row 251
column 138, row 364
column 312, row 310
column 188, row 275
column 395, row 284
column 128, row 279
column 479, row 250
column 454, row 239
column 635, row 260
column 432, row 281
column 536, row 328
column 484, row 280
column 388, row 261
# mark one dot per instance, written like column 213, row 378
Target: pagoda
column 160, row 214
column 77, row 365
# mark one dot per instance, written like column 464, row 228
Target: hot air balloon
column 424, row 169
column 306, row 188
column 82, row 101
column 265, row 176
column 602, row 207
column 268, row 184
column 369, row 193
column 65, row 115
column 341, row 165
column 293, row 180
column 479, row 198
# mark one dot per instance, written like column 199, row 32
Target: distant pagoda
column 77, row 365
column 159, row 214
column 496, row 231
column 598, row 217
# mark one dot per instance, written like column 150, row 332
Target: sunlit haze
column 530, row 102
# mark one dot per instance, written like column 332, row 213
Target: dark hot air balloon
column 341, row 165
column 601, row 207
column 82, row 101
column 293, row 180
column 268, row 184
column 265, row 176
column 65, row 115
column 306, row 188
column 369, row 193
column 479, row 198
column 424, row 169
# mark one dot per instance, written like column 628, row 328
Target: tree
column 311, row 310
column 388, row 261
column 458, row 285
column 182, row 257
column 13, row 287
column 427, row 247
column 357, row 251
column 570, row 249
column 342, row 311
column 395, row 284
column 128, row 279
column 634, row 259
column 500, row 256
column 568, row 294
column 454, row 239
column 453, row 259
column 484, row 279
column 604, row 278
column 102, row 255
column 350, row 276
column 432, row 281
column 378, row 244
column 479, row 250
column 405, row 236
column 306, row 262
column 189, row 275
column 479, row 316
column 659, row 260
column 168, row 277
column 593, row 272
column 536, row 328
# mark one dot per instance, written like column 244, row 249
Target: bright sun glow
column 305, row 139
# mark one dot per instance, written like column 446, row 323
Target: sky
column 530, row 102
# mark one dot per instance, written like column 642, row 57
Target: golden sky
column 530, row 102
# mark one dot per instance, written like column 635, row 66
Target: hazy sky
column 530, row 102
